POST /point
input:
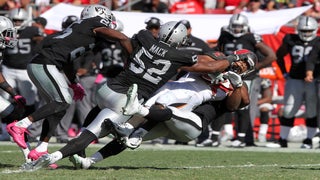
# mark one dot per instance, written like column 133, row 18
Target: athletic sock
column 25, row 122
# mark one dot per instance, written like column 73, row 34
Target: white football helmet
column 8, row 36
column 238, row 25
column 97, row 10
column 307, row 28
column 19, row 17
column 173, row 33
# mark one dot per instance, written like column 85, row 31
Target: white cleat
column 238, row 144
column 80, row 162
column 132, row 105
column 123, row 129
column 134, row 140
column 44, row 161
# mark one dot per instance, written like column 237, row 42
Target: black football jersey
column 112, row 54
column 63, row 47
column 299, row 52
column 151, row 65
column 196, row 45
column 19, row 56
column 227, row 43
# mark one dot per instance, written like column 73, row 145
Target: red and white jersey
column 190, row 91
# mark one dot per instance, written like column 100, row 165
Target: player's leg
column 54, row 88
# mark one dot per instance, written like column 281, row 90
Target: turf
column 176, row 162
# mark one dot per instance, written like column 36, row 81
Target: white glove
column 234, row 78
column 216, row 79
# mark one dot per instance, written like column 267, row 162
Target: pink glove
column 78, row 91
column 20, row 100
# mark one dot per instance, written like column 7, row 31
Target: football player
column 152, row 63
column 15, row 59
column 188, row 106
column 297, row 90
column 237, row 35
column 9, row 111
column 51, row 70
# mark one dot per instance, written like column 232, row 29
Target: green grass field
column 177, row 162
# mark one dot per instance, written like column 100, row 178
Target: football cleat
column 17, row 134
column 43, row 161
column 215, row 144
column 283, row 143
column 123, row 129
column 205, row 143
column 119, row 130
column 306, row 144
column 238, row 144
column 35, row 155
column 80, row 162
column 134, row 140
column 132, row 105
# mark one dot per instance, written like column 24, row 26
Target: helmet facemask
column 247, row 63
column 9, row 38
column 238, row 25
column 8, row 34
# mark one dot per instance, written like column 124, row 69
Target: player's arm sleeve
column 313, row 58
column 281, row 53
column 145, row 38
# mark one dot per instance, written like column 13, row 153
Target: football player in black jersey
column 152, row 63
column 194, row 101
column 297, row 90
column 51, row 69
column 16, row 59
column 236, row 36
column 13, row 107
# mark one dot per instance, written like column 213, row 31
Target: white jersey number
column 152, row 74
column 299, row 53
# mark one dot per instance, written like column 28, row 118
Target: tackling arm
column 207, row 64
column 114, row 35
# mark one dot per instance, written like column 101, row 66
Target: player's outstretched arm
column 207, row 64
column 110, row 34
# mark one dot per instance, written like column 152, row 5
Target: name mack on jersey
column 158, row 50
